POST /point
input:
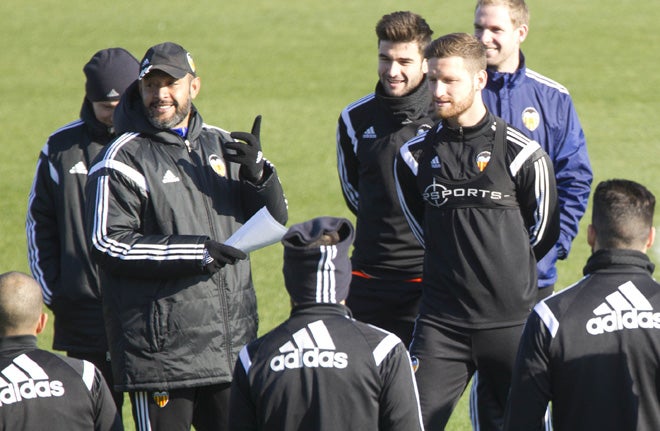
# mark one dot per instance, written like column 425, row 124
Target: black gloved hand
column 248, row 154
column 217, row 255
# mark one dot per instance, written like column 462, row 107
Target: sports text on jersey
column 626, row 308
column 24, row 379
column 437, row 194
column 312, row 347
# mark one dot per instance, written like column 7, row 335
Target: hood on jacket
column 99, row 131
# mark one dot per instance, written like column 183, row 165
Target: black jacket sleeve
column 530, row 384
column 43, row 238
column 347, row 163
column 399, row 402
column 537, row 195
column 242, row 411
column 410, row 199
column 107, row 418
column 268, row 193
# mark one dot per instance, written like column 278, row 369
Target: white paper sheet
column 259, row 231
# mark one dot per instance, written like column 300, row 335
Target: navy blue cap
column 109, row 73
column 315, row 271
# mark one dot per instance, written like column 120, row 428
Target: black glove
column 217, row 255
column 248, row 154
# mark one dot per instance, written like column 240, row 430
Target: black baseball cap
column 169, row 57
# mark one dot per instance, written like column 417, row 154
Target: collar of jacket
column 130, row 117
column 314, row 308
column 18, row 343
column 498, row 80
column 408, row 108
column 98, row 131
column 607, row 258
column 485, row 125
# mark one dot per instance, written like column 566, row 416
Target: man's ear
column 591, row 236
column 41, row 323
column 523, row 31
column 651, row 238
column 195, row 85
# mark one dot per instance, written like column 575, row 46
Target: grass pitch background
column 298, row 63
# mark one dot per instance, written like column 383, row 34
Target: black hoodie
column 57, row 247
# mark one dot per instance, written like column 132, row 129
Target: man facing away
column 41, row 390
column 387, row 259
column 178, row 303
column 592, row 349
column 482, row 199
column 58, row 252
column 321, row 369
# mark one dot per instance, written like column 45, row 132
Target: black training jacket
column 153, row 199
column 483, row 201
column 593, row 350
column 41, row 390
column 322, row 370
column 370, row 132
column 58, row 252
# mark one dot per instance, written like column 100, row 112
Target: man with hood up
column 321, row 369
column 57, row 247
column 162, row 198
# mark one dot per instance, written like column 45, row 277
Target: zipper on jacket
column 221, row 275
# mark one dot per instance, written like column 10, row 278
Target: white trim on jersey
column 542, row 212
column 88, row 374
column 547, row 317
column 114, row 248
column 245, row 359
column 384, row 348
column 351, row 193
column 545, row 80
column 411, row 163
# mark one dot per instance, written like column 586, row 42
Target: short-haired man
column 41, row 390
column 387, row 259
column 592, row 349
column 482, row 199
column 321, row 369
column 178, row 303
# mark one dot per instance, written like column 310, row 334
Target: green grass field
column 299, row 62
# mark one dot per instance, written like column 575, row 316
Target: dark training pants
column 389, row 304
column 205, row 407
column 447, row 356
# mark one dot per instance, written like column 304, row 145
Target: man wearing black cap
column 178, row 303
column 321, row 369
column 57, row 247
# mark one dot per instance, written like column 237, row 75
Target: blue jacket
column 543, row 109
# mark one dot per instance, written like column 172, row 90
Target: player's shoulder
column 225, row 134
column 545, row 83
column 66, row 135
column 380, row 341
column 361, row 103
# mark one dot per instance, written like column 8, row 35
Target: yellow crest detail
column 161, row 398
column 531, row 118
column 218, row 165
